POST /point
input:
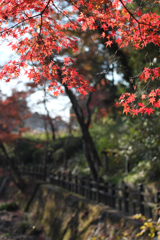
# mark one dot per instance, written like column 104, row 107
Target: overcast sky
column 57, row 106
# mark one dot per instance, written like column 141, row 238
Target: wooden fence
column 123, row 199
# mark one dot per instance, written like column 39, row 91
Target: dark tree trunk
column 89, row 150
column 17, row 151
column 88, row 145
column 65, row 152
column 49, row 118
column 15, row 176
column 45, row 160
column 52, row 129
column 93, row 152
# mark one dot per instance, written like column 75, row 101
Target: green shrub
column 12, row 206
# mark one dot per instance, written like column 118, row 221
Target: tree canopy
column 38, row 31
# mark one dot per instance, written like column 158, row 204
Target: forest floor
column 14, row 223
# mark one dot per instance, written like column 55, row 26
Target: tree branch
column 73, row 99
column 90, row 98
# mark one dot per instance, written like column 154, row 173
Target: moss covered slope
column 66, row 216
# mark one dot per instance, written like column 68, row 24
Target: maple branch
column 132, row 15
column 139, row 23
column 64, row 14
column 42, row 14
column 20, row 22
column 123, row 59
column 39, row 14
column 41, row 25
column 46, row 6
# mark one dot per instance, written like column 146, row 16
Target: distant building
column 37, row 122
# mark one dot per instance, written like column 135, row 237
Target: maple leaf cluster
column 37, row 35
column 149, row 104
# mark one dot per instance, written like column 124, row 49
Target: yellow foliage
column 150, row 225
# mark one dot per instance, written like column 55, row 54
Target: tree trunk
column 52, row 128
column 93, row 151
column 49, row 118
column 45, row 160
column 65, row 152
column 88, row 154
column 15, row 176
column 88, row 145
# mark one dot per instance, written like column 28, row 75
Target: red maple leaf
column 149, row 110
column 117, row 103
column 156, row 104
column 141, row 105
column 152, row 100
column 108, row 43
column 126, row 110
column 131, row 98
column 143, row 96
column 135, row 112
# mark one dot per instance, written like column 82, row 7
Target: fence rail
column 122, row 199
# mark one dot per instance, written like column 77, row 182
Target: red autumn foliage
column 13, row 111
column 35, row 33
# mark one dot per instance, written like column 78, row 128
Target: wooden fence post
column 59, row 178
column 39, row 172
column 27, row 171
column 141, row 198
column 89, row 188
column 64, row 180
column 69, row 181
column 106, row 193
column 134, row 206
column 82, row 186
column 44, row 172
column 22, row 170
column 113, row 192
column 126, row 199
column 31, row 172
column 34, row 172
column 54, row 178
column 102, row 191
column 120, row 203
column 76, row 184
column 150, row 212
